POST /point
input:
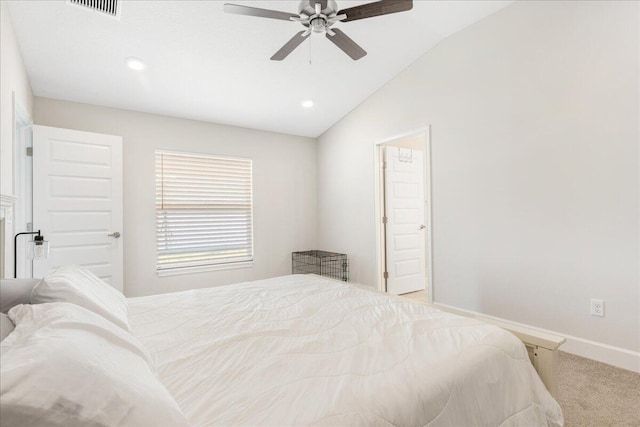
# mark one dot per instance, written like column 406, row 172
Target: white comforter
column 302, row 350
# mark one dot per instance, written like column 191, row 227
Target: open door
column 77, row 201
column 404, row 218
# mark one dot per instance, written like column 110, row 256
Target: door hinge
column 385, row 275
column 385, row 220
column 29, row 226
column 29, row 151
column 384, row 165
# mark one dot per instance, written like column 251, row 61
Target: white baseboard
column 605, row 353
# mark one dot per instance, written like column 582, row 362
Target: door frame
column 378, row 145
column 22, row 184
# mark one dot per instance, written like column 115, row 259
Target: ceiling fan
column 319, row 16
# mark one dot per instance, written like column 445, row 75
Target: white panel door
column 77, row 200
column 404, row 208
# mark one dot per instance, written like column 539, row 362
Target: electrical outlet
column 597, row 307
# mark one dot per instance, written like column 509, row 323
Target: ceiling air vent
column 108, row 7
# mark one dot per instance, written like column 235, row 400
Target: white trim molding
column 425, row 132
column 22, row 184
column 204, row 268
column 7, row 213
column 7, row 200
column 605, row 353
column 7, row 205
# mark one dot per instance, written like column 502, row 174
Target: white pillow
column 66, row 366
column 6, row 326
column 77, row 285
column 14, row 292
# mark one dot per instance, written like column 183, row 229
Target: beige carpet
column 594, row 394
column 591, row 393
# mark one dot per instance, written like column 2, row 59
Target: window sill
column 203, row 268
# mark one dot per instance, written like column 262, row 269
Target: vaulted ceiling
column 206, row 65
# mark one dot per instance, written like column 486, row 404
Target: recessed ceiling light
column 307, row 103
column 135, row 63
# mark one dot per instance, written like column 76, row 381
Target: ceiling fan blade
column 254, row 11
column 290, row 46
column 347, row 45
column 382, row 7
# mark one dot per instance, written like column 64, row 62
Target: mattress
column 303, row 350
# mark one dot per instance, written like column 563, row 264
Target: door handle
column 114, row 235
column 422, row 227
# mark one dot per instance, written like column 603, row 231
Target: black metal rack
column 329, row 264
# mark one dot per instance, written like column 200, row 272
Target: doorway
column 23, row 187
column 403, row 213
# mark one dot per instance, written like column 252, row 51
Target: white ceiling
column 206, row 65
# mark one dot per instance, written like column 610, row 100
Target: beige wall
column 13, row 82
column 535, row 177
column 284, row 186
column 13, row 79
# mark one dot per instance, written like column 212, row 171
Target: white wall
column 284, row 179
column 534, row 129
column 13, row 80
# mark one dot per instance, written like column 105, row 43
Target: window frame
column 215, row 266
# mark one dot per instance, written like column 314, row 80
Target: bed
column 304, row 350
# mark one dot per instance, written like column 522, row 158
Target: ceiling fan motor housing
column 308, row 7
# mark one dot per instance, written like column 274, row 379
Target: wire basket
column 323, row 263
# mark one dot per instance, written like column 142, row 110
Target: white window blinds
column 203, row 210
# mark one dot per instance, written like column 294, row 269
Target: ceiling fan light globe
column 318, row 25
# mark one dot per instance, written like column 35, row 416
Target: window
column 203, row 211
